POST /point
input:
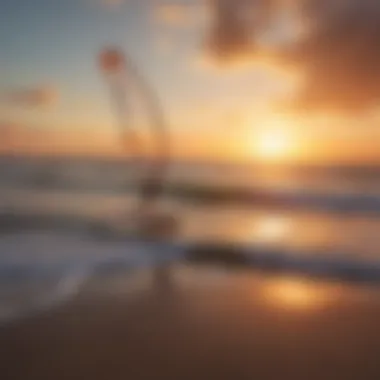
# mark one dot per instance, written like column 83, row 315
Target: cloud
column 340, row 56
column 234, row 26
column 338, row 52
column 180, row 14
column 38, row 96
column 172, row 14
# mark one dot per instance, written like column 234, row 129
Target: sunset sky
column 274, row 80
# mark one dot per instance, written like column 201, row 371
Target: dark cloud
column 339, row 52
column 39, row 96
column 235, row 24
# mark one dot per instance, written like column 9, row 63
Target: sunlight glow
column 272, row 138
column 294, row 294
column 271, row 229
column 272, row 145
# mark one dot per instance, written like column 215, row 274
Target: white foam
column 39, row 271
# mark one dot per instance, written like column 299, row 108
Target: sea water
column 312, row 212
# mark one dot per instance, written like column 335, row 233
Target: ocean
column 316, row 214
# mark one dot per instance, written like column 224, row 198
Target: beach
column 203, row 323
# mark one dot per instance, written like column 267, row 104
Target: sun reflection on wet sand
column 292, row 293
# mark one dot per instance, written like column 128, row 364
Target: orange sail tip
column 111, row 60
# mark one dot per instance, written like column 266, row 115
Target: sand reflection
column 297, row 294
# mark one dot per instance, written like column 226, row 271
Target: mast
column 122, row 76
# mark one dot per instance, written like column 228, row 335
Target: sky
column 274, row 80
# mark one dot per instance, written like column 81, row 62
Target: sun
column 272, row 138
column 272, row 145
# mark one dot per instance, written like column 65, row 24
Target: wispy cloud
column 37, row 96
column 180, row 14
column 172, row 14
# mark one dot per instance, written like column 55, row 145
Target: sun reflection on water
column 271, row 229
column 296, row 294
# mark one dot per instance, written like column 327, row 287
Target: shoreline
column 204, row 324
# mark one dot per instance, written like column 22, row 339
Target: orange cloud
column 172, row 14
column 338, row 52
column 38, row 96
column 235, row 25
column 176, row 14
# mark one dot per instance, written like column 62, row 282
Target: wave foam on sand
column 39, row 271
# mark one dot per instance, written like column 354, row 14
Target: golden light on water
column 295, row 294
column 271, row 229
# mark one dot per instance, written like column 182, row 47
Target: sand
column 203, row 324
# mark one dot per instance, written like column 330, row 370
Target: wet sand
column 204, row 324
